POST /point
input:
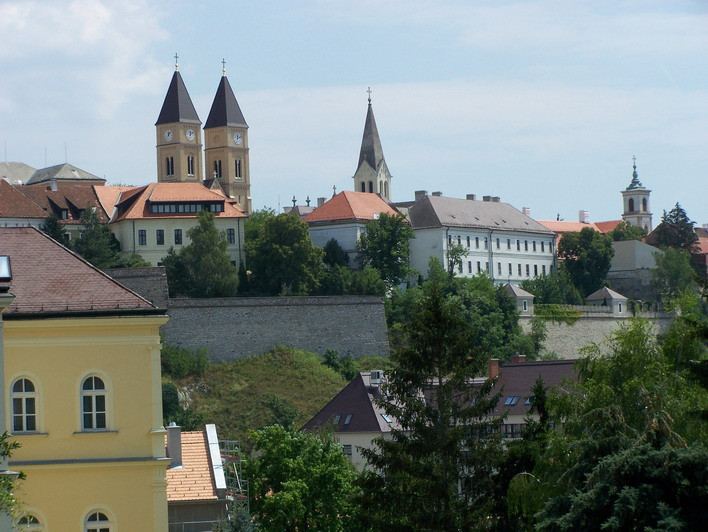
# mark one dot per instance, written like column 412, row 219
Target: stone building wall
column 567, row 340
column 151, row 283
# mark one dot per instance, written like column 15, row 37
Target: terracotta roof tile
column 193, row 481
column 606, row 227
column 134, row 204
column 47, row 277
column 108, row 196
column 349, row 205
column 67, row 195
column 13, row 203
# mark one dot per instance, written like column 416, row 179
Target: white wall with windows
column 506, row 256
column 346, row 234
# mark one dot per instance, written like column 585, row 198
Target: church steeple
column 226, row 138
column 372, row 173
column 636, row 202
column 179, row 135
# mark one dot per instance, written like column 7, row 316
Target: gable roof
column 48, row 278
column 108, row 196
column 371, row 150
column 606, row 227
column 350, row 205
column 516, row 291
column 134, row 204
column 225, row 110
column 178, row 106
column 605, row 293
column 517, row 379
column 14, row 171
column 193, row 481
column 439, row 211
column 65, row 172
column 70, row 197
column 356, row 400
column 14, row 204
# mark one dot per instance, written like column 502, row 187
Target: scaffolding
column 236, row 484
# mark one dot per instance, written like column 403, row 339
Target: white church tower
column 636, row 202
column 372, row 174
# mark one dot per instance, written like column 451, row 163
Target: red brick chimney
column 493, row 366
column 518, row 359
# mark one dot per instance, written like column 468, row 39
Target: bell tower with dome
column 636, row 202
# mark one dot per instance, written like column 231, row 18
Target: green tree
column 675, row 231
column 96, row 243
column 203, row 267
column 283, row 259
column 627, row 231
column 673, row 274
column 283, row 412
column 445, row 448
column 556, row 288
column 254, row 224
column 455, row 254
column 299, row 481
column 340, row 280
column 334, row 255
column 587, row 257
column 244, row 284
column 53, row 227
column 385, row 245
column 8, row 503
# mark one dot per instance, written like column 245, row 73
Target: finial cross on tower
column 369, row 91
column 634, row 159
column 223, row 67
column 176, row 63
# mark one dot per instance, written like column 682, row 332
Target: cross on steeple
column 369, row 91
column 176, row 63
column 634, row 159
column 223, row 67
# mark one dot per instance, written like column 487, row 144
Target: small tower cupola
column 372, row 173
column 178, row 129
column 636, row 202
column 226, row 139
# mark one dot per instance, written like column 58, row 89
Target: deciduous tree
column 96, row 243
column 627, row 231
column 587, row 256
column 334, row 255
column 386, row 246
column 673, row 274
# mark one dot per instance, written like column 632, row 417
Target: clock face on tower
column 167, row 135
column 237, row 138
column 190, row 135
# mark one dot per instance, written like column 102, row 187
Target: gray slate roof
column 371, row 150
column 438, row 211
column 60, row 172
column 515, row 291
column 224, row 109
column 14, row 172
column 605, row 293
column 178, row 106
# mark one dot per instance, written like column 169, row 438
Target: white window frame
column 26, row 398
column 93, row 394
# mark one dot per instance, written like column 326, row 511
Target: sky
column 543, row 103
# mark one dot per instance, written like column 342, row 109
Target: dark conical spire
column 635, row 177
column 225, row 110
column 371, row 150
column 178, row 106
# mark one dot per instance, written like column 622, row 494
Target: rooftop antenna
column 5, row 151
column 45, row 156
column 223, row 67
column 66, row 157
column 369, row 91
column 176, row 63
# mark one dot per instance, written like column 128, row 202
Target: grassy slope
column 231, row 394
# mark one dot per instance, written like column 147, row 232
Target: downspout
column 240, row 258
column 134, row 251
column 446, row 250
column 490, row 256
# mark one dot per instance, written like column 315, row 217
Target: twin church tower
column 179, row 145
column 179, row 141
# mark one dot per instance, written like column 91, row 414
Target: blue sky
column 542, row 103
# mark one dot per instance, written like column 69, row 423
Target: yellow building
column 82, row 393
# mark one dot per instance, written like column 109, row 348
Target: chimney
column 471, row 197
column 174, row 444
column 496, row 199
column 493, row 366
column 486, row 198
column 583, row 216
column 437, row 193
column 420, row 194
column 375, row 378
column 526, row 211
column 320, row 201
column 518, row 359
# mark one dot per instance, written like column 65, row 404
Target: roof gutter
column 9, row 316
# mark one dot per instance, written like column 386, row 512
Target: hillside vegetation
column 236, row 395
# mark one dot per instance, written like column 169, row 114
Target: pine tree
column 676, row 231
column 437, row 470
column 53, row 227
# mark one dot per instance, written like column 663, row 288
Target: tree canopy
column 555, row 288
column 385, row 245
column 675, row 231
column 299, row 481
column 96, row 243
column 53, row 227
column 283, row 259
column 627, row 231
column 203, row 267
column 673, row 274
column 587, row 256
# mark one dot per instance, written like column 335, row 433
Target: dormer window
column 64, row 214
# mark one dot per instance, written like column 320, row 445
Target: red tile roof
column 134, row 203
column 68, row 196
column 14, row 204
column 606, row 227
column 47, row 277
column 108, row 196
column 193, row 481
column 349, row 205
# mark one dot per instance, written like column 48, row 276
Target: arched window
column 386, row 189
column 24, row 406
column 93, row 404
column 644, row 204
column 371, row 186
column 380, row 187
column 97, row 522
column 363, row 186
column 29, row 523
column 631, row 204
